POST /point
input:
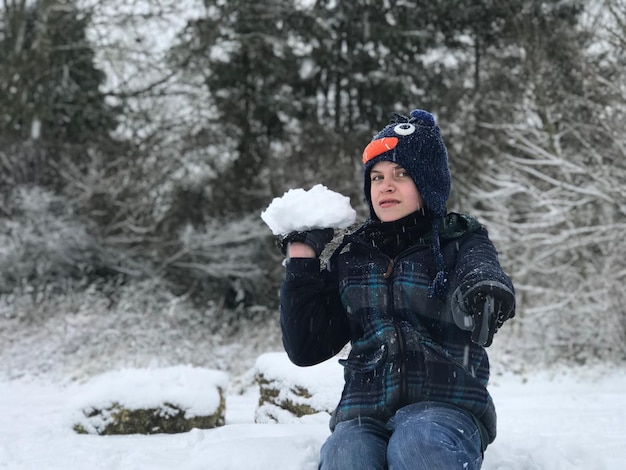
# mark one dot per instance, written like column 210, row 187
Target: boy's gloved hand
column 316, row 238
column 487, row 306
column 485, row 310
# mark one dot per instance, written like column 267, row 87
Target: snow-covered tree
column 551, row 186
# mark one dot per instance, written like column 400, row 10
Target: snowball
column 300, row 210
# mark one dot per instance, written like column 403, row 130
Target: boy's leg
column 433, row 436
column 357, row 444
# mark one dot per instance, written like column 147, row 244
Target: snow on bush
column 42, row 242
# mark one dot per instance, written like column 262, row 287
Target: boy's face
column 393, row 192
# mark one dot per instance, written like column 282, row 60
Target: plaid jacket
column 405, row 347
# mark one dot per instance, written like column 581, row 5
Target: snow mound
column 193, row 389
column 300, row 210
column 292, row 394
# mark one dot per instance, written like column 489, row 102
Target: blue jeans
column 421, row 436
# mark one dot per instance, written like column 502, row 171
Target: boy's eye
column 401, row 172
column 376, row 177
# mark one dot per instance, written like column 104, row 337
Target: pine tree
column 239, row 51
column 49, row 90
column 50, row 85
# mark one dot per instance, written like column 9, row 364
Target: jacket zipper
column 400, row 338
column 387, row 274
column 402, row 367
column 392, row 263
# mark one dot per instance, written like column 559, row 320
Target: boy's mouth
column 388, row 203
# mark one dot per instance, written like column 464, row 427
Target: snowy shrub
column 48, row 247
column 225, row 261
column 43, row 244
column 151, row 401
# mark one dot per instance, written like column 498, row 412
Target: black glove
column 490, row 306
column 317, row 239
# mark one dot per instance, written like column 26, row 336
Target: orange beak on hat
column 378, row 147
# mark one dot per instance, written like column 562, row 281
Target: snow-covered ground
column 562, row 420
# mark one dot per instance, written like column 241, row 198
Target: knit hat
column 415, row 143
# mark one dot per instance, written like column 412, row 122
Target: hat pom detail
column 424, row 117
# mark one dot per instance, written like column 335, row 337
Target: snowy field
column 564, row 420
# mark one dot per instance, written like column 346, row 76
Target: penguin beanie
column 414, row 142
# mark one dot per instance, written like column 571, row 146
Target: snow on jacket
column 405, row 347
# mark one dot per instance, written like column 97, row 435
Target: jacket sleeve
column 312, row 319
column 478, row 268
